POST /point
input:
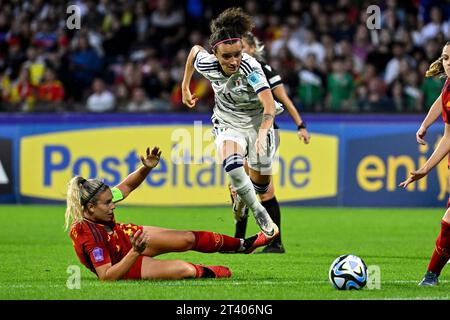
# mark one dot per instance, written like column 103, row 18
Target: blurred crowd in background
column 129, row 55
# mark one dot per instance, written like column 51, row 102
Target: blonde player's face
column 446, row 59
column 229, row 56
column 103, row 210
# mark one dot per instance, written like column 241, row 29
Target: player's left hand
column 152, row 158
column 414, row 176
column 303, row 134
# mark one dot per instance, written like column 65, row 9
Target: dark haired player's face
column 103, row 210
column 229, row 56
column 446, row 59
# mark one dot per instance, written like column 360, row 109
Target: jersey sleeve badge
column 98, row 254
column 254, row 78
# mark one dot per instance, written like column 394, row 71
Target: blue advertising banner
column 375, row 165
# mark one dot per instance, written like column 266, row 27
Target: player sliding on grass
column 441, row 252
column 116, row 251
column 243, row 114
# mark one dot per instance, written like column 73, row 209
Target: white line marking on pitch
column 203, row 284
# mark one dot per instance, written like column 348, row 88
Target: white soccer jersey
column 236, row 101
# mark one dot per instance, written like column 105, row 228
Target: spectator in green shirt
column 310, row 86
column 340, row 88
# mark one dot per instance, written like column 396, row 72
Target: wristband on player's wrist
column 302, row 125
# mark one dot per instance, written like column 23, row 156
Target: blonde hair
column 79, row 193
column 436, row 69
column 253, row 41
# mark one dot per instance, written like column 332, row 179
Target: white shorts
column 246, row 139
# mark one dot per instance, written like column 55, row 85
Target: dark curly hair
column 232, row 24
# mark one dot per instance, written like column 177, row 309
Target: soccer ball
column 348, row 272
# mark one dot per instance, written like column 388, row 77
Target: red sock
column 208, row 242
column 199, row 270
column 441, row 252
column 211, row 272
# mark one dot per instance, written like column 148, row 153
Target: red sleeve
column 98, row 253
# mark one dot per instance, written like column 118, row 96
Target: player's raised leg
column 233, row 164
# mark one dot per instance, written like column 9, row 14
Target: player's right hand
column 414, row 176
column 303, row 134
column 420, row 134
column 261, row 142
column 188, row 98
column 139, row 241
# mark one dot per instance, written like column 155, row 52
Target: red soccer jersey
column 445, row 96
column 97, row 244
column 51, row 91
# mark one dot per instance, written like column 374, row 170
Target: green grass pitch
column 36, row 252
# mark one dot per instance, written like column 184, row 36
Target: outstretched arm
column 188, row 98
column 431, row 117
column 441, row 151
column 281, row 94
column 135, row 178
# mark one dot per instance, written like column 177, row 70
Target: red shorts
column 135, row 271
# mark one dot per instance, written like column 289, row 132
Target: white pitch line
column 202, row 283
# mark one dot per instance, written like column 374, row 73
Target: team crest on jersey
column 238, row 86
column 447, row 105
column 98, row 254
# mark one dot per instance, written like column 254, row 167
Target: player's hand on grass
column 139, row 241
column 414, row 176
column 151, row 159
column 188, row 98
column 420, row 134
column 303, row 134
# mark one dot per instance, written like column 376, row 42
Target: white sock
column 244, row 188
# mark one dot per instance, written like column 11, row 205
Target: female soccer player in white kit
column 243, row 113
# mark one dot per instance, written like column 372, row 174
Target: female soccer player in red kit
column 441, row 252
column 116, row 251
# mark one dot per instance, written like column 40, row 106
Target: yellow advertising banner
column 188, row 173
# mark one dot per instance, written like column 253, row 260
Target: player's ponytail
column 74, row 210
column 436, row 69
column 229, row 27
column 80, row 192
